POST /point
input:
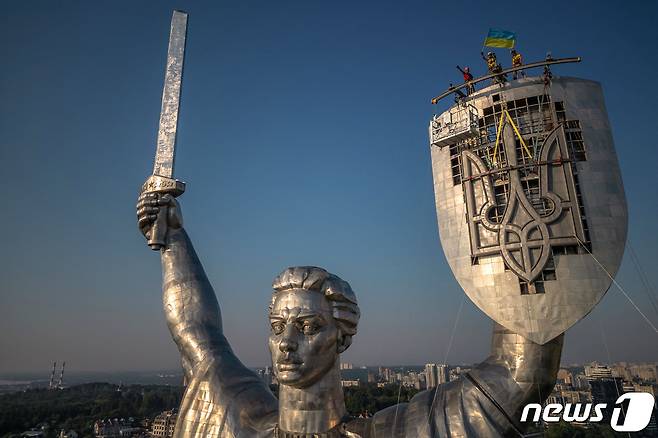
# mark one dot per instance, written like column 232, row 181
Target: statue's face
column 304, row 339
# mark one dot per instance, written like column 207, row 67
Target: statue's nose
column 287, row 343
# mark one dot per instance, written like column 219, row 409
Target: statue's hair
column 338, row 292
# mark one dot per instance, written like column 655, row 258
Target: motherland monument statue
column 314, row 314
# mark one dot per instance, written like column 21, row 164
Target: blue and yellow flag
column 500, row 38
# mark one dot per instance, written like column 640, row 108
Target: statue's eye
column 309, row 328
column 278, row 327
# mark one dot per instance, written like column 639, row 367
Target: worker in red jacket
column 468, row 77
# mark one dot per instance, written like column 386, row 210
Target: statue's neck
column 315, row 409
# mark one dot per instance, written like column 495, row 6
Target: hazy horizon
column 45, row 376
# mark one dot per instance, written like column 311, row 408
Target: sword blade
column 165, row 152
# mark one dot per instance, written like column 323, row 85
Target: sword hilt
column 161, row 185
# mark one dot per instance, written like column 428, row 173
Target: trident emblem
column 515, row 205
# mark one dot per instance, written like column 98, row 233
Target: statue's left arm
column 486, row 401
column 517, row 372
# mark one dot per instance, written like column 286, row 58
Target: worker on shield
column 517, row 61
column 494, row 67
column 468, row 77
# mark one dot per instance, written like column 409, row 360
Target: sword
column 162, row 181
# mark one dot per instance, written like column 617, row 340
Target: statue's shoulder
column 408, row 419
column 359, row 427
column 229, row 399
column 456, row 408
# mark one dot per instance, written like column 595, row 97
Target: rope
column 621, row 289
column 445, row 360
column 450, row 341
column 454, row 329
column 397, row 405
column 505, row 117
column 518, row 134
column 648, row 288
column 500, row 128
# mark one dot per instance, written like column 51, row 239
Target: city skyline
column 338, row 97
column 149, row 410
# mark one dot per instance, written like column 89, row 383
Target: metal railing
column 460, row 123
column 458, row 88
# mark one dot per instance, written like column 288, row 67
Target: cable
column 397, row 405
column 648, row 288
column 445, row 361
column 452, row 336
column 618, row 286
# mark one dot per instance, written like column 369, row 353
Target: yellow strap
column 518, row 135
column 500, row 128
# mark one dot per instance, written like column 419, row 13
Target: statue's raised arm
column 223, row 397
column 190, row 305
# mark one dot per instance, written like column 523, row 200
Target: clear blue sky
column 303, row 140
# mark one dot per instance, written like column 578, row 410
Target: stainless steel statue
column 313, row 316
column 518, row 211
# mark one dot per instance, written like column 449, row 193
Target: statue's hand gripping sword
column 162, row 181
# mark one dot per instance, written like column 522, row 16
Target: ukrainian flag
column 500, row 38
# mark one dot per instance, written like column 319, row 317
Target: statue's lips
column 288, row 366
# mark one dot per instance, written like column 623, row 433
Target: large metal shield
column 530, row 201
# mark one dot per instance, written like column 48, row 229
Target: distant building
column 651, row 389
column 431, row 375
column 386, row 375
column 597, row 371
column 456, row 373
column 645, row 372
column 422, row 380
column 346, row 366
column 620, row 370
column 435, row 374
column 110, row 428
column 346, row 383
column 565, row 376
column 580, row 381
column 268, row 376
column 133, row 432
column 606, row 390
column 163, row 424
column 573, row 397
column 413, row 380
column 443, row 373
